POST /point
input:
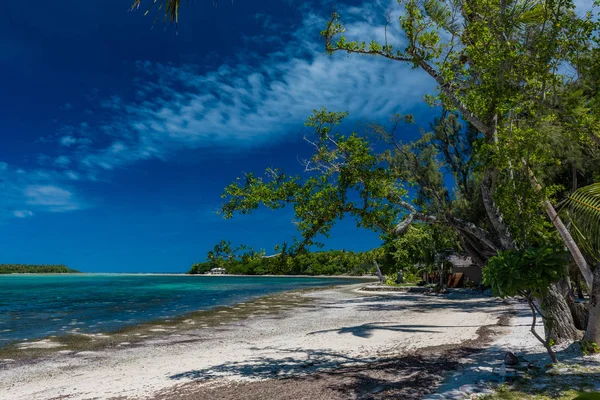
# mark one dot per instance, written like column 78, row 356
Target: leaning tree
column 499, row 63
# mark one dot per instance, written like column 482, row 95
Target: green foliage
column 525, row 272
column 35, row 269
column 422, row 248
column 201, row 268
column 583, row 210
column 497, row 64
column 344, row 177
column 390, row 280
column 497, row 67
column 588, row 396
column 588, row 347
column 411, row 276
column 248, row 262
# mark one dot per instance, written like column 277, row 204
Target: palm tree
column 584, row 213
column 171, row 8
column 583, row 210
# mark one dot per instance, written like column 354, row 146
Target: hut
column 217, row 271
column 463, row 271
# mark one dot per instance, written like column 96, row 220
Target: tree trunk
column 592, row 332
column 580, row 295
column 545, row 342
column 591, row 279
column 557, row 317
column 580, row 312
column 477, row 256
column 565, row 235
column 494, row 214
column 378, row 272
column 570, row 243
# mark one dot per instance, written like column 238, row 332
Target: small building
column 465, row 266
column 217, row 271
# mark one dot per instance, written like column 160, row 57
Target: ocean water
column 36, row 306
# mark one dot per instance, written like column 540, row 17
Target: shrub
column 589, row 347
column 528, row 273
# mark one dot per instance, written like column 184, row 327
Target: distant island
column 35, row 269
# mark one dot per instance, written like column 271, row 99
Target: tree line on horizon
column 243, row 260
column 415, row 253
column 36, row 269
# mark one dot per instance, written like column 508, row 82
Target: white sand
column 340, row 326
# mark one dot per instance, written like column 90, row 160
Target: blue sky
column 117, row 136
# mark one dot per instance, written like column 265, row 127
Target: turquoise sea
column 35, row 306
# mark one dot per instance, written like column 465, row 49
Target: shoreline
column 263, row 346
column 366, row 277
column 32, row 350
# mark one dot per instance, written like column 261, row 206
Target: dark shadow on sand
column 326, row 375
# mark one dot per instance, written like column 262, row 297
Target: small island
column 36, row 269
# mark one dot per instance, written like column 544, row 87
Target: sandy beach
column 336, row 343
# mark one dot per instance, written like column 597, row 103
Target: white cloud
column 51, row 198
column 22, row 213
column 25, row 193
column 62, row 161
column 67, row 141
column 72, row 175
column 257, row 99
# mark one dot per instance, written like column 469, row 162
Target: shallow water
column 35, row 306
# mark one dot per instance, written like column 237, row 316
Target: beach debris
column 510, row 359
column 41, row 344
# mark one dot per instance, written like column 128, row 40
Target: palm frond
column 583, row 210
column 532, row 15
column 171, row 8
column 441, row 14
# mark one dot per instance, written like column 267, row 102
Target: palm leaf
column 171, row 8
column 533, row 15
column 441, row 14
column 583, row 210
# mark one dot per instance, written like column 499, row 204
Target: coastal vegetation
column 416, row 253
column 517, row 130
column 35, row 269
column 245, row 261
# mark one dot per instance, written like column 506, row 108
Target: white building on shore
column 217, row 271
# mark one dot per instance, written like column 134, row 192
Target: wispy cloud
column 51, row 198
column 250, row 101
column 23, row 213
column 24, row 193
column 256, row 99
